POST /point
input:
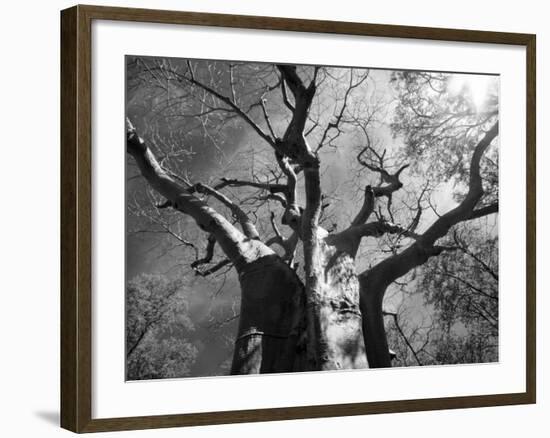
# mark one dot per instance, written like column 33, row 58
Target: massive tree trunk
column 271, row 318
column 334, row 302
column 271, row 296
column 334, row 338
column 334, row 320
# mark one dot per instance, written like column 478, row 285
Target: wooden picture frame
column 76, row 218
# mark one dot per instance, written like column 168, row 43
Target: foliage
column 156, row 327
column 463, row 285
column 217, row 124
column 440, row 117
column 460, row 290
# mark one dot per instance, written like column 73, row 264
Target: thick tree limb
column 392, row 180
column 213, row 269
column 349, row 239
column 292, row 213
column 165, row 204
column 278, row 234
column 231, row 182
column 233, row 243
column 465, row 210
column 374, row 229
column 398, row 265
column 294, row 146
column 366, row 209
column 375, row 280
column 247, row 226
column 266, row 117
column 484, row 211
column 211, row 243
column 285, row 96
column 288, row 244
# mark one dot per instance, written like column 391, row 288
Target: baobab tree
column 314, row 258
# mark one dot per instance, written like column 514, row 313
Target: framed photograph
column 268, row 218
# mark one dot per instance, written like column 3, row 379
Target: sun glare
column 475, row 87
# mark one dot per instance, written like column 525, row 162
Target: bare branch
column 402, row 334
column 285, row 96
column 165, row 204
column 366, row 209
column 374, row 281
column 338, row 118
column 392, row 182
column 424, row 247
column 266, row 117
column 463, row 247
column 275, row 227
column 274, row 197
column 211, row 243
column 233, row 243
column 465, row 209
column 231, row 182
column 229, row 103
column 289, row 245
column 209, row 253
column 213, row 269
column 484, row 211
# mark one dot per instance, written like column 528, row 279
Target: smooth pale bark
column 333, row 321
column 334, row 302
column 332, row 330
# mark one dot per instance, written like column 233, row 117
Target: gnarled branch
column 247, row 226
column 375, row 280
column 230, row 103
column 366, row 209
column 231, row 240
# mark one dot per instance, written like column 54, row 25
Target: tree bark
column 334, row 309
column 376, row 280
column 271, row 322
column 334, row 320
column 271, row 294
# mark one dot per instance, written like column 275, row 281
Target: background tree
column 263, row 159
column 459, row 295
column 157, row 328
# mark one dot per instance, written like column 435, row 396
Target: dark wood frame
column 76, row 174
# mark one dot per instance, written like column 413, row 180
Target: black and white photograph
column 289, row 218
column 273, row 219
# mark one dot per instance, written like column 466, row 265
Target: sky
column 214, row 299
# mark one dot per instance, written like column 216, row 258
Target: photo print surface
column 292, row 218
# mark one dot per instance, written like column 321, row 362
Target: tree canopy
column 157, row 327
column 378, row 189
